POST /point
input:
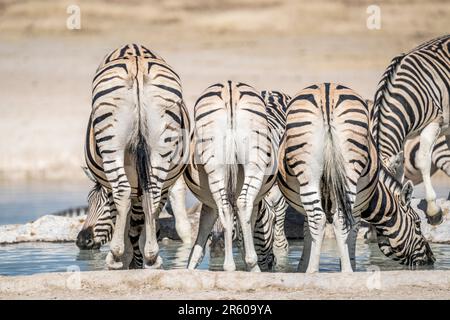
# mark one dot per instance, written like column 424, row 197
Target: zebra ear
column 406, row 193
column 395, row 166
column 89, row 174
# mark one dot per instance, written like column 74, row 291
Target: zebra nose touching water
column 136, row 143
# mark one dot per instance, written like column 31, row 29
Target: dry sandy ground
column 46, row 69
column 184, row 284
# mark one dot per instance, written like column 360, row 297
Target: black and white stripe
column 232, row 166
column 413, row 99
column 322, row 157
column 137, row 139
column 440, row 158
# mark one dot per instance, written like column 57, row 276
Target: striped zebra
column 232, row 165
column 379, row 198
column 276, row 104
column 137, row 131
column 412, row 99
column 321, row 160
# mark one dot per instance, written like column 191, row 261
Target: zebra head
column 400, row 237
column 98, row 227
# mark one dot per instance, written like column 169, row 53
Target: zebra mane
column 432, row 41
column 391, row 181
column 381, row 91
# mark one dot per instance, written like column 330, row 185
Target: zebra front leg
column 351, row 241
column 310, row 198
column 208, row 217
column 428, row 138
column 280, row 243
column 136, row 224
column 306, row 252
column 177, row 197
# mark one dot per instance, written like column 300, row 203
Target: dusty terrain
column 47, row 69
column 185, row 284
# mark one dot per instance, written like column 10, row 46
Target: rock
column 53, row 228
column 436, row 234
column 47, row 228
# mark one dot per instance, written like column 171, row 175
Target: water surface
column 31, row 258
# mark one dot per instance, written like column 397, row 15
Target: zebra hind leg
column 342, row 232
column 247, row 215
column 428, row 138
column 121, row 191
column 311, row 200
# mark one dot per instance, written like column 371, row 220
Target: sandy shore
column 271, row 44
column 184, row 284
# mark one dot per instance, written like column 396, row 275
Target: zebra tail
column 139, row 145
column 335, row 181
column 231, row 167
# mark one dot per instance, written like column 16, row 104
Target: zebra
column 324, row 153
column 232, row 165
column 379, row 198
column 412, row 99
column 137, row 131
column 406, row 165
column 74, row 212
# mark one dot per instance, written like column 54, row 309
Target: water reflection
column 29, row 258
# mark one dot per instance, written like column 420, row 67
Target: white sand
column 184, row 284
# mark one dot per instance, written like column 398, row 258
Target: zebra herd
column 327, row 152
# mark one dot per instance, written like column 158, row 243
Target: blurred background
column 46, row 68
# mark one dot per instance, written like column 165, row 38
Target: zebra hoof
column 229, row 267
column 112, row 263
column 255, row 269
column 155, row 265
column 436, row 219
